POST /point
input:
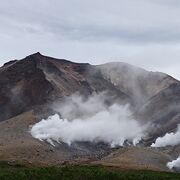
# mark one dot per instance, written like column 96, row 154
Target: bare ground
column 17, row 145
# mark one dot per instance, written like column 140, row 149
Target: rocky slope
column 37, row 80
column 29, row 85
column 155, row 95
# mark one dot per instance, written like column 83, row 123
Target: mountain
column 30, row 86
column 37, row 80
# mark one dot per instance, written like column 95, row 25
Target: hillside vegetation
column 13, row 172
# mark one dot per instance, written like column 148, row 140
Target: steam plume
column 89, row 120
column 174, row 164
column 170, row 139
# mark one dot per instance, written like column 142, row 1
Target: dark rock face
column 23, row 85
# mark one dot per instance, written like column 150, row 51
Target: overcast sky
column 144, row 33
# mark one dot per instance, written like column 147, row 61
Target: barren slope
column 137, row 158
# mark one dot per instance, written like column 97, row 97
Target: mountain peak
column 37, row 54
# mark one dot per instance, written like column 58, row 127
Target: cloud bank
column 170, row 139
column 89, row 120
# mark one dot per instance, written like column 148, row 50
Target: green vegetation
column 18, row 172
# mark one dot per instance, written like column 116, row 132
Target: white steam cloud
column 170, row 139
column 174, row 164
column 89, row 120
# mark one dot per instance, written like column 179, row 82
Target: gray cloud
column 144, row 32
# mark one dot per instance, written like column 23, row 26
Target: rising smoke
column 92, row 120
column 170, row 139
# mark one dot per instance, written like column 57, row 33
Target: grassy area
column 18, row 172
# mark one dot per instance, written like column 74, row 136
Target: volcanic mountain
column 28, row 88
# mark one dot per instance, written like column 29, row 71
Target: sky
column 144, row 33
